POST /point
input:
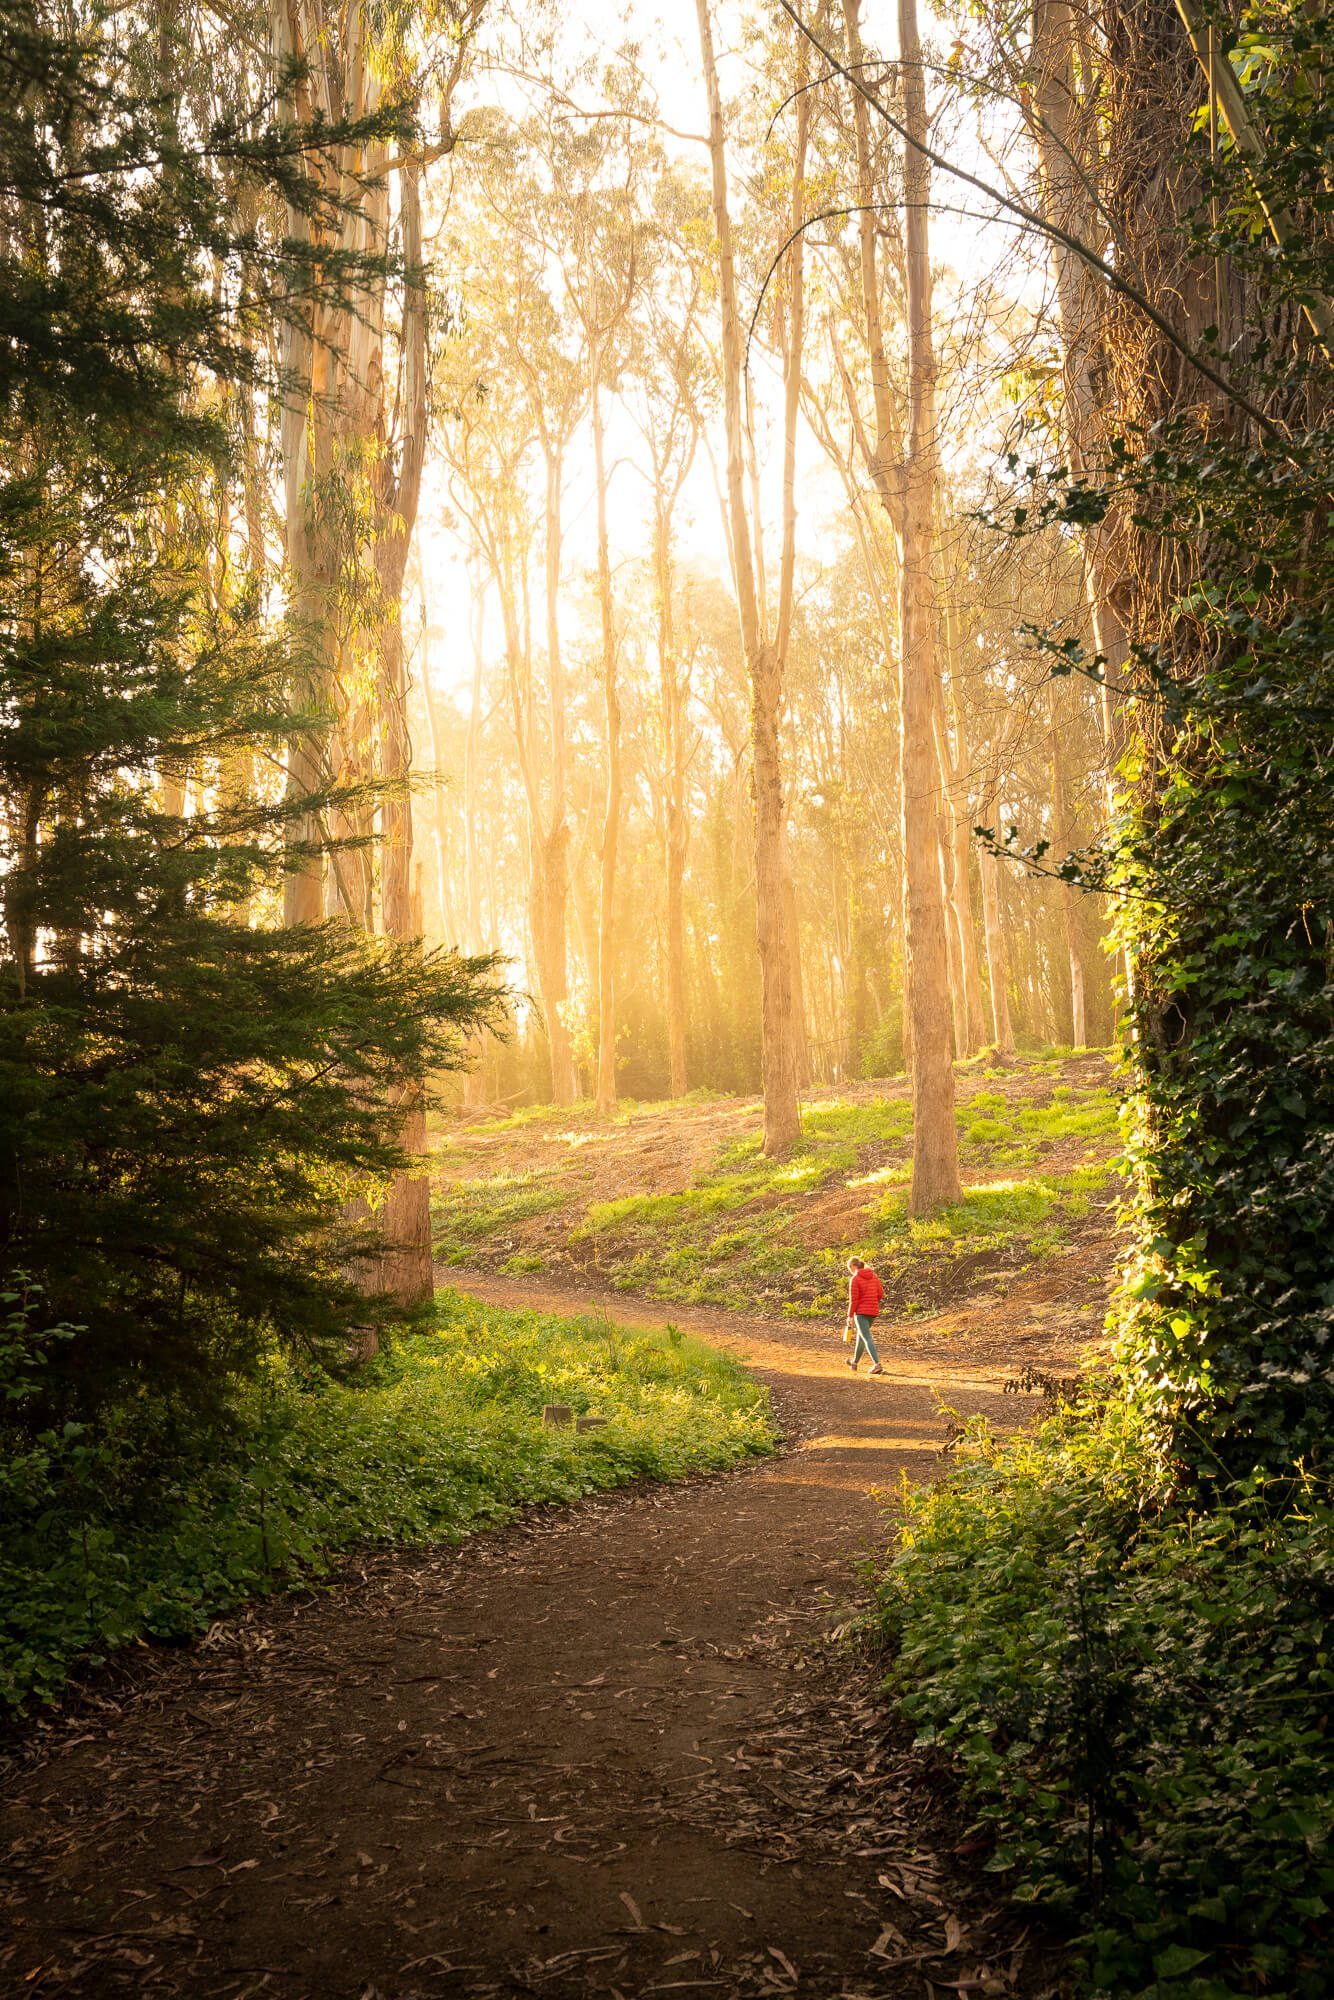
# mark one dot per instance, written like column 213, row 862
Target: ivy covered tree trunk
column 1225, row 860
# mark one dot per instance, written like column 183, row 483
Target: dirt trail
column 607, row 1751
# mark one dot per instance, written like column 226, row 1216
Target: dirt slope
column 606, row 1752
column 530, row 1193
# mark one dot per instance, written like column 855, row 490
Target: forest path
column 604, row 1752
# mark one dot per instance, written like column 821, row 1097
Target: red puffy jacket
column 865, row 1292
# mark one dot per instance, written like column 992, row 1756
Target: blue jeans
column 862, row 1322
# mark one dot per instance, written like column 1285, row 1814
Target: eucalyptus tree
column 765, row 634
column 515, row 378
column 670, row 401
column 353, row 432
column 903, row 459
column 597, row 207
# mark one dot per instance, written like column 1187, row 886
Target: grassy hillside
column 675, row 1201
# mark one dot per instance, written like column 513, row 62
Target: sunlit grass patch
column 469, row 1212
column 1006, row 1133
column 996, row 1215
column 665, row 1211
column 897, row 1174
column 879, row 1119
column 802, row 1173
column 988, row 1132
column 747, row 1265
column 533, row 1114
column 630, row 1108
column 1092, row 1115
column 985, row 1102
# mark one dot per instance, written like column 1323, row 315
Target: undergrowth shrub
column 1136, row 1694
column 148, row 1525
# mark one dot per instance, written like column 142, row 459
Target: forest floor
column 674, row 1201
column 616, row 1749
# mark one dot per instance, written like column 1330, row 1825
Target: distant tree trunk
column 439, row 823
column 547, row 841
column 935, row 1178
column 611, row 821
column 954, row 776
column 958, row 1004
column 801, row 1054
column 1067, row 893
column 474, row 1079
column 782, row 1122
column 672, row 689
column 998, row 966
column 556, row 842
column 1065, row 166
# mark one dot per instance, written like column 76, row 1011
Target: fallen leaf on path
column 786, row 1963
column 632, row 1906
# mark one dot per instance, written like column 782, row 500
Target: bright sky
column 669, row 59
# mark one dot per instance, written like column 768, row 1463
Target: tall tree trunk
column 801, row 1054
column 1068, row 204
column 958, row 1004
column 556, row 840
column 998, row 964
column 782, row 1122
column 676, row 830
column 611, row 821
column 334, row 404
column 440, row 823
column 954, row 776
column 406, row 1266
column 1066, row 891
column 935, row 1176
column 475, row 1092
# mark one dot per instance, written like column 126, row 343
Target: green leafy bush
column 145, row 1527
column 1135, row 1695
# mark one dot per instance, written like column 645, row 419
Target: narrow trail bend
column 607, row 1751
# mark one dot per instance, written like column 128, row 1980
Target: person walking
column 865, row 1292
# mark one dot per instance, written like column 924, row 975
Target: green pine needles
column 190, row 1094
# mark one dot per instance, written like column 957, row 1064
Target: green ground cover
column 737, row 1234
column 148, row 1528
column 1135, row 1695
column 484, row 1211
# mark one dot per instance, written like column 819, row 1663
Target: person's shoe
column 852, row 1365
column 877, row 1370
